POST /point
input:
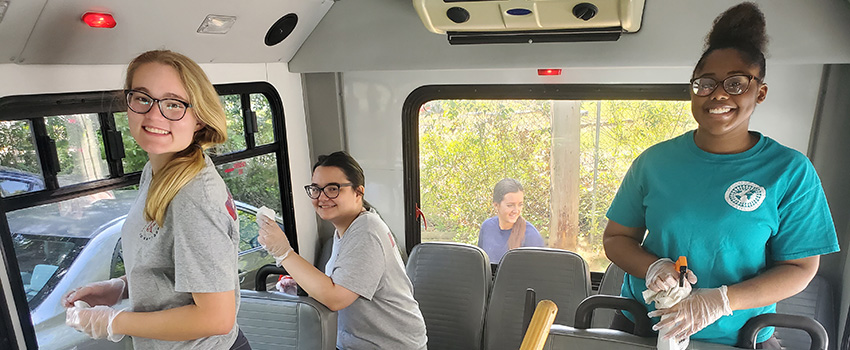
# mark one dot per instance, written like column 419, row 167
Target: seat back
column 272, row 320
column 817, row 302
column 451, row 282
column 554, row 274
column 612, row 282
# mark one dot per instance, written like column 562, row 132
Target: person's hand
column 107, row 293
column 96, row 322
column 697, row 311
column 662, row 275
column 274, row 240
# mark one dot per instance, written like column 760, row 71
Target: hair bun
column 742, row 25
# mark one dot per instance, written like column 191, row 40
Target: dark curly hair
column 741, row 27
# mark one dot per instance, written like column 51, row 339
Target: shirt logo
column 150, row 231
column 745, row 195
column 231, row 208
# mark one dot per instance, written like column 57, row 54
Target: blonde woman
column 180, row 238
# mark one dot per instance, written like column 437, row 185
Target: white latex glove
column 697, row 311
column 273, row 239
column 107, row 293
column 662, row 275
column 96, row 322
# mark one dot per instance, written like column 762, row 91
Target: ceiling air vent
column 529, row 21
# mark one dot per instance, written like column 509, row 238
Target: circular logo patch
column 745, row 195
column 150, row 231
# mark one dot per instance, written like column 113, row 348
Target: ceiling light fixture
column 99, row 20
column 216, row 24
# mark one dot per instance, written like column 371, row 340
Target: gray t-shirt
column 194, row 252
column 385, row 316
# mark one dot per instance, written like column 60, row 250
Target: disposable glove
column 273, row 239
column 662, row 275
column 96, row 322
column 107, row 293
column 697, row 311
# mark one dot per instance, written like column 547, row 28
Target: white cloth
column 663, row 300
column 667, row 298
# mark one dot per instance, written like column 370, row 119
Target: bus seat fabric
column 558, row 275
column 817, row 302
column 451, row 282
column 272, row 320
column 611, row 283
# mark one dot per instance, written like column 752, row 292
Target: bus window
column 253, row 180
column 80, row 149
column 65, row 222
column 134, row 157
column 19, row 170
column 265, row 128
column 569, row 156
column 235, row 126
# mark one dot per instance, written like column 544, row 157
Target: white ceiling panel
column 60, row 37
column 16, row 25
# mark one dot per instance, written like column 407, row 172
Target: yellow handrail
column 538, row 328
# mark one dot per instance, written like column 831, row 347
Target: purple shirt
column 494, row 240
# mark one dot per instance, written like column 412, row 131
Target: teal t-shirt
column 731, row 215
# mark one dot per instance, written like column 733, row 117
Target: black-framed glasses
column 331, row 190
column 733, row 84
column 170, row 108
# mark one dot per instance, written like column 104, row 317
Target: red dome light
column 549, row 71
column 99, row 20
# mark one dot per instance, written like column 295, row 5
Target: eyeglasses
column 170, row 108
column 331, row 190
column 733, row 85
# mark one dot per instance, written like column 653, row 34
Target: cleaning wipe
column 265, row 211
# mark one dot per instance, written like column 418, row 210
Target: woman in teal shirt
column 748, row 213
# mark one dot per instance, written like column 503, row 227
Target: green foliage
column 466, row 146
column 16, row 147
column 134, row 156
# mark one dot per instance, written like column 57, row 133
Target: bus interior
column 436, row 99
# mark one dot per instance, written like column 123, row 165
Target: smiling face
column 160, row 137
column 721, row 115
column 509, row 209
column 345, row 207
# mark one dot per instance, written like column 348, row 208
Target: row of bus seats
column 466, row 307
column 464, row 310
column 804, row 321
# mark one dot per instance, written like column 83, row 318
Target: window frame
column 34, row 108
column 424, row 94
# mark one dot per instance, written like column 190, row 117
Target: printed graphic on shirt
column 745, row 195
column 149, row 231
column 231, row 208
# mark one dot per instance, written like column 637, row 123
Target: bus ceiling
column 376, row 35
column 53, row 31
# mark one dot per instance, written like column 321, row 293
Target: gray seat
column 272, row 320
column 817, row 302
column 612, row 282
column 451, row 282
column 554, row 274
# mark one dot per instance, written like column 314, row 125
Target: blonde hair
column 206, row 107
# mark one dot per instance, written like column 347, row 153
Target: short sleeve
column 482, row 238
column 205, row 256
column 532, row 236
column 359, row 265
column 627, row 208
column 805, row 223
